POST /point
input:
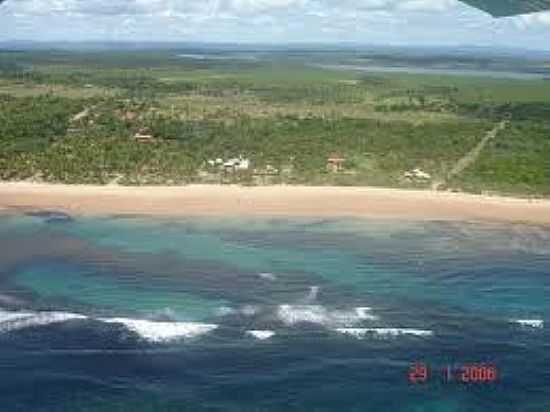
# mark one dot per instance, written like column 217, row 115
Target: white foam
column 261, row 334
column 20, row 320
column 246, row 310
column 249, row 310
column 6, row 316
column 295, row 314
column 530, row 323
column 149, row 330
column 387, row 332
column 364, row 313
column 224, row 311
column 312, row 295
column 268, row 276
column 163, row 331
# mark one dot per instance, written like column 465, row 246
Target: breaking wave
column 261, row 334
column 529, row 323
column 152, row 331
column 295, row 314
column 10, row 321
column 268, row 276
column 384, row 332
column 158, row 332
column 246, row 310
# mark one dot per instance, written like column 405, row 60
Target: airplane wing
column 502, row 8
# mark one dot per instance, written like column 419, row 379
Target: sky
column 383, row 22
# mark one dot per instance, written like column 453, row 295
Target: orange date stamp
column 472, row 373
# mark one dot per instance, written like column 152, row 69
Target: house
column 335, row 163
column 230, row 164
column 243, row 164
column 143, row 136
column 236, row 164
column 417, row 174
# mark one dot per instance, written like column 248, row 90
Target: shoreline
column 272, row 201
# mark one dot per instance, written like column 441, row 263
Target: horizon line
column 273, row 44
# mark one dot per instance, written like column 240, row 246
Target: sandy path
column 471, row 157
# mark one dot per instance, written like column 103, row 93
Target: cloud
column 533, row 20
column 391, row 5
column 247, row 6
column 427, row 5
column 363, row 21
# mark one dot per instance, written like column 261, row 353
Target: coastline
column 274, row 201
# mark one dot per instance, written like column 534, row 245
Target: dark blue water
column 141, row 314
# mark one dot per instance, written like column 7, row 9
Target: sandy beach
column 211, row 200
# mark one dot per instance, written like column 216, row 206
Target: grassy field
column 283, row 114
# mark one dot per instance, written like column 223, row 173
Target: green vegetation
column 517, row 162
column 30, row 125
column 73, row 116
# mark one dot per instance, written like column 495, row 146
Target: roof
column 143, row 134
column 501, row 8
column 335, row 157
column 143, row 137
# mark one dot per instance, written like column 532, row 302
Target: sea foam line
column 163, row 331
column 10, row 321
column 246, row 310
column 295, row 314
column 386, row 332
column 268, row 276
column 261, row 334
column 530, row 323
column 149, row 330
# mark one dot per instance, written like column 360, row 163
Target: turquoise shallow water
column 135, row 313
column 84, row 286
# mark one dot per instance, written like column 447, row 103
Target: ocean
column 133, row 313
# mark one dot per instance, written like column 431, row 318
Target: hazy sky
column 418, row 22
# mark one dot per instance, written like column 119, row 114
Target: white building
column 417, row 174
column 244, row 164
column 235, row 163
